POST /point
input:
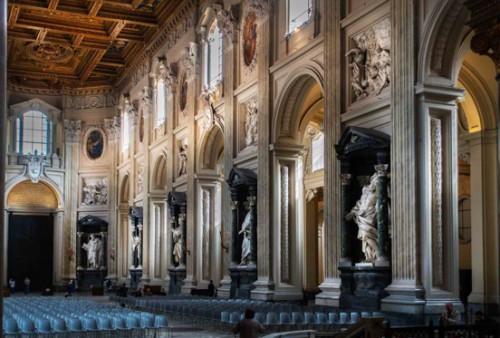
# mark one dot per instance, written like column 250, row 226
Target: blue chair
column 285, row 318
column 89, row 323
column 378, row 314
column 161, row 321
column 365, row 314
column 343, row 318
column 118, row 323
column 309, row 318
column 104, row 323
column 43, row 325
column 354, row 318
column 332, row 318
column 133, row 322
column 58, row 325
column 27, row 325
column 10, row 326
column 234, row 318
column 260, row 317
column 147, row 322
column 74, row 324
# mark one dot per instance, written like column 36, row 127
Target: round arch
column 211, row 148
column 159, row 175
column 304, row 91
column 49, row 187
column 125, row 189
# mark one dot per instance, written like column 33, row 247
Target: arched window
column 299, row 13
column 33, row 133
column 126, row 131
column 160, row 104
column 213, row 58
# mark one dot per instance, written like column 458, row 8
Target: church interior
column 338, row 154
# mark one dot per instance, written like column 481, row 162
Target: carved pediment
column 91, row 224
column 241, row 176
column 357, row 141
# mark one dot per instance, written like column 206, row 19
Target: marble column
column 173, row 225
column 140, row 228
column 234, row 233
column 131, row 236
column 182, row 226
column 79, row 257
column 346, row 230
column 104, row 248
column 253, row 230
column 382, row 216
column 405, row 292
column 330, row 288
column 3, row 114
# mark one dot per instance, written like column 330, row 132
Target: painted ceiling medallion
column 49, row 52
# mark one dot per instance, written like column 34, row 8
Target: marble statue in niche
column 139, row 179
column 182, row 165
column 177, row 238
column 251, row 120
column 245, row 244
column 364, row 214
column 370, row 61
column 93, row 248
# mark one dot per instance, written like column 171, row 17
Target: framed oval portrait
column 250, row 38
column 94, row 144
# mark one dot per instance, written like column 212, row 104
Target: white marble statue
column 93, row 248
column 251, row 123
column 177, row 251
column 245, row 244
column 182, row 159
column 364, row 214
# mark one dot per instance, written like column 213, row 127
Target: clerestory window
column 213, row 58
column 299, row 13
column 33, row 133
column 160, row 104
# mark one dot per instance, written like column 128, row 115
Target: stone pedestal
column 242, row 279
column 135, row 278
column 90, row 278
column 363, row 286
column 177, row 276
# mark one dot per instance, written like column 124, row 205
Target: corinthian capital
column 72, row 130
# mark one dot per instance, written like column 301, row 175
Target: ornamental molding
column 227, row 22
column 35, row 165
column 130, row 110
column 146, row 103
column 189, row 60
column 166, row 38
column 437, row 202
column 112, row 127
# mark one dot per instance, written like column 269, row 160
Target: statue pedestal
column 177, row 276
column 90, row 278
column 363, row 286
column 242, row 278
column 135, row 278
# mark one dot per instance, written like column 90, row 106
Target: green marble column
column 234, row 233
column 253, row 230
column 383, row 251
column 346, row 226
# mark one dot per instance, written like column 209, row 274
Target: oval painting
column 95, row 144
column 250, row 38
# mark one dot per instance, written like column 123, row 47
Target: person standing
column 12, row 285
column 248, row 327
column 27, row 286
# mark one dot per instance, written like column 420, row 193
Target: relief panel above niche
column 369, row 62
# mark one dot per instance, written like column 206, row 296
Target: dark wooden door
column 30, row 250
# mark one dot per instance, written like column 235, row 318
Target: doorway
column 30, row 247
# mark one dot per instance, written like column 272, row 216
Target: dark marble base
column 90, row 278
column 362, row 287
column 177, row 276
column 242, row 278
column 135, row 278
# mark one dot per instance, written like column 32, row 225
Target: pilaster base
column 363, row 286
column 288, row 294
column 264, row 290
column 224, row 290
column 135, row 278
column 188, row 285
column 404, row 298
column 330, row 293
column 177, row 276
column 242, row 278
column 86, row 279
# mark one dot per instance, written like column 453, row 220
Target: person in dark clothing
column 248, row 327
column 211, row 289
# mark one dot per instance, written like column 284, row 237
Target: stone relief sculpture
column 364, row 213
column 146, row 102
column 251, row 119
column 182, row 165
column 129, row 109
column 245, row 244
column 370, row 61
column 95, row 192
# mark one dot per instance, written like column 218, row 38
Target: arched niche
column 212, row 146
column 125, row 189
column 159, row 175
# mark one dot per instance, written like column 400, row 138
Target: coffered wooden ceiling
column 80, row 43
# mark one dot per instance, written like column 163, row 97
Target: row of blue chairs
column 57, row 314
